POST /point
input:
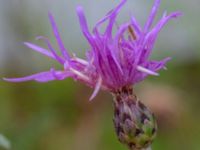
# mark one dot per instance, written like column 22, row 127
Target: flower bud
column 135, row 125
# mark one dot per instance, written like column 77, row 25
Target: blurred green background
column 57, row 115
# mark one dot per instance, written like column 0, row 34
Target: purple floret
column 113, row 60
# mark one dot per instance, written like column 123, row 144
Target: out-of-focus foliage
column 57, row 115
column 4, row 143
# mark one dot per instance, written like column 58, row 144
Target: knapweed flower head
column 114, row 60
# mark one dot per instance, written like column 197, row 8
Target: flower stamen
column 79, row 74
column 145, row 70
column 97, row 88
column 132, row 33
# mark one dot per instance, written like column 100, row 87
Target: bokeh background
column 57, row 115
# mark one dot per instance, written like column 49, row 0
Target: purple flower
column 113, row 60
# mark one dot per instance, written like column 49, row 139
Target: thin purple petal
column 112, row 18
column 152, row 15
column 58, row 58
column 136, row 25
column 83, row 24
column 63, row 50
column 152, row 35
column 40, row 77
column 39, row 49
column 110, row 15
